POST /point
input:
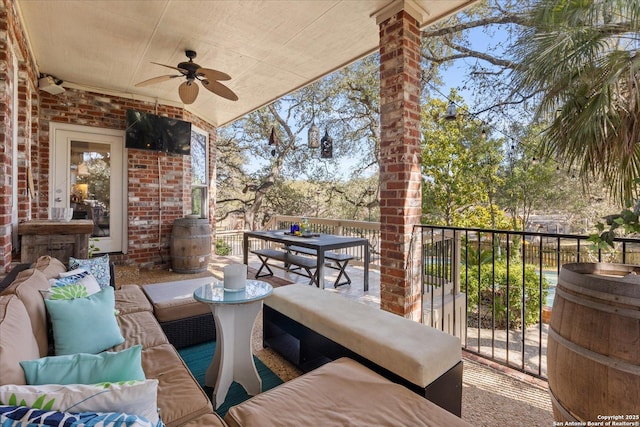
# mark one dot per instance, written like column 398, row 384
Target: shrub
column 222, row 247
column 491, row 301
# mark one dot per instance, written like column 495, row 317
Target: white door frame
column 60, row 136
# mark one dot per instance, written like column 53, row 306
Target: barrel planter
column 593, row 348
column 190, row 245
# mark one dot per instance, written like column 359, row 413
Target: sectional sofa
column 339, row 393
column 25, row 335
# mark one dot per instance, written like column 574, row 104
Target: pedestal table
column 234, row 313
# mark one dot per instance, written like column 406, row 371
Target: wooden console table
column 59, row 239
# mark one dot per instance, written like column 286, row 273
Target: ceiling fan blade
column 220, row 89
column 213, row 75
column 183, row 71
column 188, row 92
column 155, row 80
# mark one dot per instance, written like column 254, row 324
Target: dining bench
column 338, row 260
column 306, row 264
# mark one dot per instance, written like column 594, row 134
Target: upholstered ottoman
column 311, row 326
column 184, row 320
column 340, row 393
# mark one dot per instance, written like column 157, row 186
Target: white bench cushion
column 414, row 351
column 174, row 300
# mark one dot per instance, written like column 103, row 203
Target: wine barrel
column 190, row 245
column 593, row 347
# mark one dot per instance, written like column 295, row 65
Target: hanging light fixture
column 273, row 138
column 326, row 150
column 451, row 111
column 313, row 138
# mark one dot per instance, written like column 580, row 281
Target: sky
column 453, row 77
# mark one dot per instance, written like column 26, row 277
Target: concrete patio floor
column 493, row 395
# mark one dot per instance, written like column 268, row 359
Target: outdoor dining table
column 321, row 243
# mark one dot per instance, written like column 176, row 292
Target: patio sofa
column 342, row 392
column 26, row 335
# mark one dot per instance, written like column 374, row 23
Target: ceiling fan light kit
column 188, row 90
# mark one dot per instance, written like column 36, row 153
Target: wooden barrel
column 593, row 348
column 190, row 245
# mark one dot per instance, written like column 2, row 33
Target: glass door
column 90, row 184
column 87, row 169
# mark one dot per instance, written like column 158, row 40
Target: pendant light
column 451, row 112
column 326, row 150
column 313, row 138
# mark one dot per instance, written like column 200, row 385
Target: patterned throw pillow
column 79, row 284
column 99, row 267
column 129, row 397
column 22, row 416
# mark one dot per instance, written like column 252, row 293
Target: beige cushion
column 140, row 328
column 174, row 300
column 50, row 266
column 17, row 342
column 414, row 351
column 207, row 420
column 180, row 398
column 27, row 287
column 131, row 299
column 340, row 393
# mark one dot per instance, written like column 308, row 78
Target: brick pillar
column 400, row 162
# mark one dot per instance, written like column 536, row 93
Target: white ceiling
column 268, row 47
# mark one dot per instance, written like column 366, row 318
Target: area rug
column 198, row 358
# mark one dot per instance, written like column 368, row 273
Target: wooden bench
column 341, row 260
column 288, row 259
column 311, row 327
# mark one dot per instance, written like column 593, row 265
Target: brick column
column 400, row 163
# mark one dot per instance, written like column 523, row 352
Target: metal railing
column 232, row 240
column 494, row 289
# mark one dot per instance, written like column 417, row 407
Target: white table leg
column 233, row 359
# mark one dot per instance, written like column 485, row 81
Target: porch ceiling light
column 313, row 139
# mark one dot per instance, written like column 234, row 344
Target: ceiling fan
column 188, row 90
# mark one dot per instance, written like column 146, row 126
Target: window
column 199, row 172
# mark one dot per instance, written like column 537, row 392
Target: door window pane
column 90, row 180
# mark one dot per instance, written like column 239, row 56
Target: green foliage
column 483, row 216
column 222, row 248
column 580, row 58
column 93, row 248
column 40, row 403
column 454, row 158
column 490, row 290
column 625, row 222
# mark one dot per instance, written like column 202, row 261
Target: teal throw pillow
column 98, row 266
column 84, row 368
column 84, row 325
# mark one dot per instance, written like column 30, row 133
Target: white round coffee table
column 234, row 314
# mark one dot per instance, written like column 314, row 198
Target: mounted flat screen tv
column 146, row 131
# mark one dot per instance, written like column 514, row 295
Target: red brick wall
column 400, row 163
column 159, row 184
column 13, row 45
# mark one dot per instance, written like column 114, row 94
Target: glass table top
column 214, row 293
